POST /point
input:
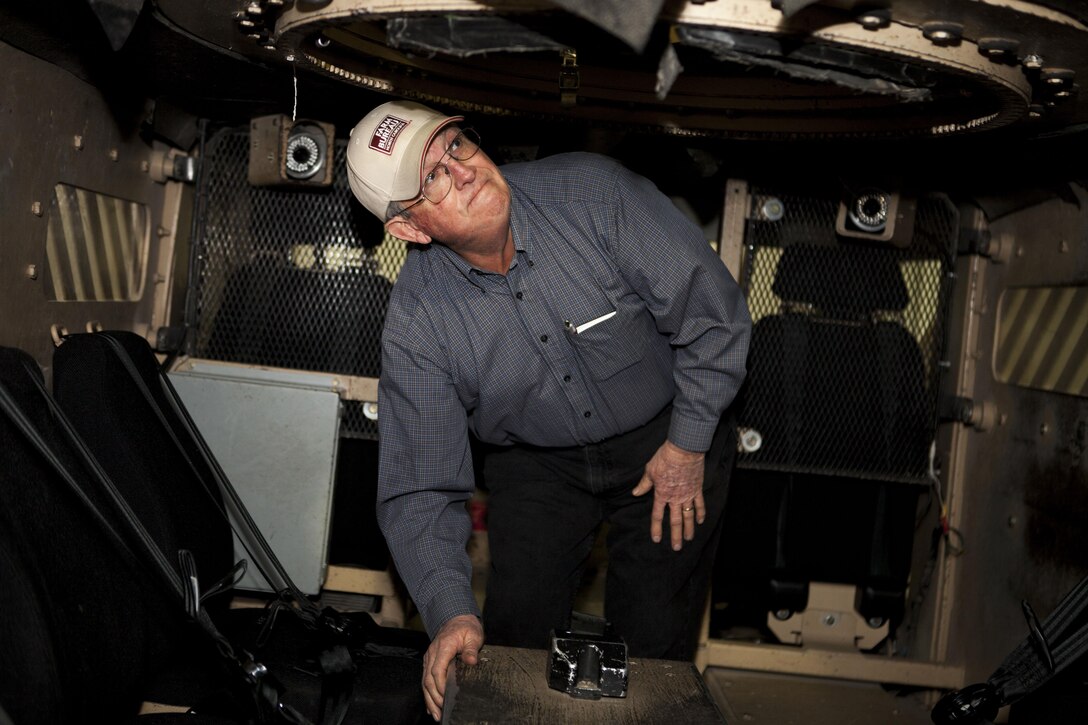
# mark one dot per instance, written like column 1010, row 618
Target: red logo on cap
column 385, row 135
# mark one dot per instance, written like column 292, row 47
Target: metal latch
column 587, row 666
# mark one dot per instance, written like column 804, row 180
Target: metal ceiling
column 733, row 68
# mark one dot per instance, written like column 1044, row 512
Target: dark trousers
column 544, row 509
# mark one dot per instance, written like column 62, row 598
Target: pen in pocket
column 579, row 329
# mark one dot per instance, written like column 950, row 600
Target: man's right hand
column 463, row 635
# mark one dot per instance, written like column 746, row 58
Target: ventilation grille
column 847, row 340
column 289, row 277
column 96, row 246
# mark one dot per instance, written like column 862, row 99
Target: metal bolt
column 829, row 620
column 875, row 20
column 77, row 142
column 31, row 271
column 1033, row 61
column 36, row 208
column 942, row 33
column 876, row 622
column 998, row 49
column 773, row 209
column 114, row 154
column 783, row 614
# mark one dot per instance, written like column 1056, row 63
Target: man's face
column 477, row 207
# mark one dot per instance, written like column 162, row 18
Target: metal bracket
column 829, row 621
column 569, row 78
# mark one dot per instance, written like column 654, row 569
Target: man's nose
column 461, row 172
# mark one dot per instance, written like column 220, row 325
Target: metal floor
column 772, row 699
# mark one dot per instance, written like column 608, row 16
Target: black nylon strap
column 1046, row 652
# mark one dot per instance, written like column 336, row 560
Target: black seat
column 90, row 630
column 836, row 392
column 84, row 628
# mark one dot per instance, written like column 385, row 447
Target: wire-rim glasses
column 438, row 182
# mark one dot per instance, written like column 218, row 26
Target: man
column 568, row 316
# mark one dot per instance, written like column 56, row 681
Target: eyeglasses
column 438, row 182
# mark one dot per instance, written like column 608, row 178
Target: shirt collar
column 523, row 242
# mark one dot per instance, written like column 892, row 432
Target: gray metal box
column 275, row 434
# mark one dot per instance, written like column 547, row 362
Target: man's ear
column 406, row 229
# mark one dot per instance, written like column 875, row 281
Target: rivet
column 114, row 154
column 36, row 208
column 77, row 142
column 31, row 271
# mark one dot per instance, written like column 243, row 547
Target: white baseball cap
column 385, row 152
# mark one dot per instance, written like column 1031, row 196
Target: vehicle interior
column 192, row 301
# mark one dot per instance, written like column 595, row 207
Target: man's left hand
column 676, row 477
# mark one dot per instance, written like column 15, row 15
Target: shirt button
column 543, row 338
column 566, row 378
column 518, row 295
column 587, row 414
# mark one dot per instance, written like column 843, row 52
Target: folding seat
column 85, row 626
column 131, row 641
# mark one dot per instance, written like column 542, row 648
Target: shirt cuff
column 691, row 434
column 446, row 605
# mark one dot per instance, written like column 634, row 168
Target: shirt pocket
column 611, row 345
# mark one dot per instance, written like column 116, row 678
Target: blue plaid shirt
column 511, row 357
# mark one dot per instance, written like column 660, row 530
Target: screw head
column 1032, row 61
column 829, row 620
column 31, row 271
column 36, row 208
